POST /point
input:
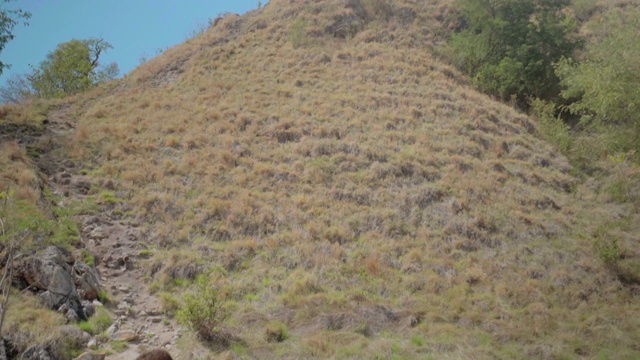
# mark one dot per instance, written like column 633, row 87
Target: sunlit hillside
column 347, row 194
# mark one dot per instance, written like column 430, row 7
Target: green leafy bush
column 604, row 85
column 509, row 47
column 97, row 323
column 550, row 126
column 201, row 307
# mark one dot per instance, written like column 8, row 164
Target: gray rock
column 97, row 234
column 74, row 336
column 111, row 330
column 88, row 308
column 87, row 281
column 63, row 308
column 59, row 280
column 49, row 272
column 37, row 352
column 72, row 316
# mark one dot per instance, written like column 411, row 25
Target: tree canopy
column 8, row 21
column 73, row 67
column 604, row 84
column 509, row 47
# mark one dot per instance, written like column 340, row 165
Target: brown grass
column 357, row 191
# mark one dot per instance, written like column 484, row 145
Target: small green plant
column 119, row 345
column 146, row 253
column 155, row 286
column 200, row 307
column 169, row 303
column 86, row 326
column 107, row 197
column 87, row 257
column 607, row 244
column 551, row 127
column 103, row 296
column 608, row 250
column 97, row 323
column 181, row 282
column 239, row 348
column 621, row 188
column 417, row 340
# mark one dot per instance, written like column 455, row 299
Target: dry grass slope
column 338, row 183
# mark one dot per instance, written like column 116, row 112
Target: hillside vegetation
column 313, row 181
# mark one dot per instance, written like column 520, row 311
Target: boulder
column 60, row 280
column 38, row 352
column 88, row 308
column 97, row 234
column 87, row 281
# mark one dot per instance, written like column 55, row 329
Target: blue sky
column 135, row 28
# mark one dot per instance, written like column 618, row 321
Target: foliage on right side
column 603, row 86
column 509, row 47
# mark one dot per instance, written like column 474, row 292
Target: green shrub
column 103, row 296
column 200, row 308
column 604, row 85
column 97, row 323
column 87, row 257
column 119, row 345
column 509, row 47
column 169, row 303
column 550, row 127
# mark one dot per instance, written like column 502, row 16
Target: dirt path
column 116, row 245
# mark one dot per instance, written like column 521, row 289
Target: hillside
column 349, row 195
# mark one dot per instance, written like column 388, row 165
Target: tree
column 509, row 47
column 604, row 84
column 8, row 20
column 72, row 68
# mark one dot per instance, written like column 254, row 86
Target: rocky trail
column 115, row 243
